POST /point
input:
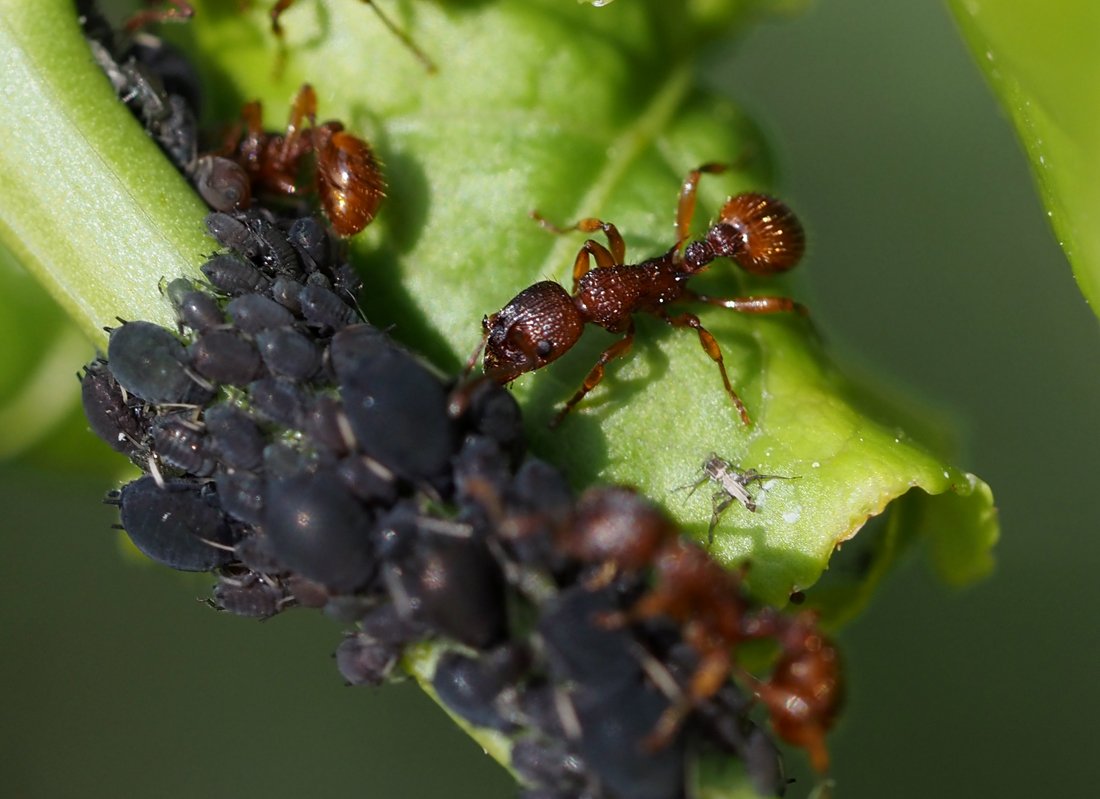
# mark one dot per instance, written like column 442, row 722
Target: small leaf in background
column 1044, row 67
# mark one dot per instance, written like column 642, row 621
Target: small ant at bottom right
column 732, row 485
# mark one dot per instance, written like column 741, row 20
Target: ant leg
column 472, row 360
column 589, row 225
column 616, row 350
column 180, row 11
column 401, row 35
column 582, row 264
column 753, row 305
column 276, row 12
column 304, row 107
column 710, row 346
column 685, row 209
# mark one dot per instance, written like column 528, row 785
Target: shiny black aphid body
column 175, row 524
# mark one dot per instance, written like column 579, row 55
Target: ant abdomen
column 349, row 177
column 539, row 325
column 760, row 233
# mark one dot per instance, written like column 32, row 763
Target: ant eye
column 543, row 348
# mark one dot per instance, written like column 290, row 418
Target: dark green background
column 930, row 263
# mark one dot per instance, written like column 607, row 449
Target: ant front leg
column 616, row 350
column 685, row 208
column 605, row 257
column 711, row 348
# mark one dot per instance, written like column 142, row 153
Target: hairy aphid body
column 543, row 322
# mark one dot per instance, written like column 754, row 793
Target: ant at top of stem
column 182, row 10
column 541, row 323
column 346, row 174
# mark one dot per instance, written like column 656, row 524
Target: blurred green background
column 930, row 263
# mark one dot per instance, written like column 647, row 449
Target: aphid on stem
column 544, row 321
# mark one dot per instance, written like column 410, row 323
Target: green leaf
column 1044, row 67
column 570, row 109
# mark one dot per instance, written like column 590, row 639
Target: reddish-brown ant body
column 346, row 175
column 618, row 531
column 759, row 233
column 805, row 689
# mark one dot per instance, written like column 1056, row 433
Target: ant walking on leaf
column 759, row 233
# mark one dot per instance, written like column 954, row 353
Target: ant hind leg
column 711, row 348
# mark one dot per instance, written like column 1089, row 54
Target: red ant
column 616, row 529
column 539, row 325
column 346, row 174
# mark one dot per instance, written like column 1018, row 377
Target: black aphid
column 318, row 529
column 288, row 353
column 175, row 525
column 195, row 309
column 392, row 399
column 225, row 357
column 233, row 276
column 254, row 312
column 233, row 437
column 116, row 419
column 150, row 362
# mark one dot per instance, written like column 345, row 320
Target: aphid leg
column 710, row 346
column 753, row 305
column 179, row 11
column 685, row 208
column 616, row 350
column 719, row 502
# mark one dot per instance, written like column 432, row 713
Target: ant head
column 760, row 233
column 538, row 326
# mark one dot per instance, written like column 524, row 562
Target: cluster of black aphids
column 309, row 460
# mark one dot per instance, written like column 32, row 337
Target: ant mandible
column 539, row 325
column 347, row 176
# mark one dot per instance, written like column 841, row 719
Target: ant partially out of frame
column 182, row 10
column 542, row 322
